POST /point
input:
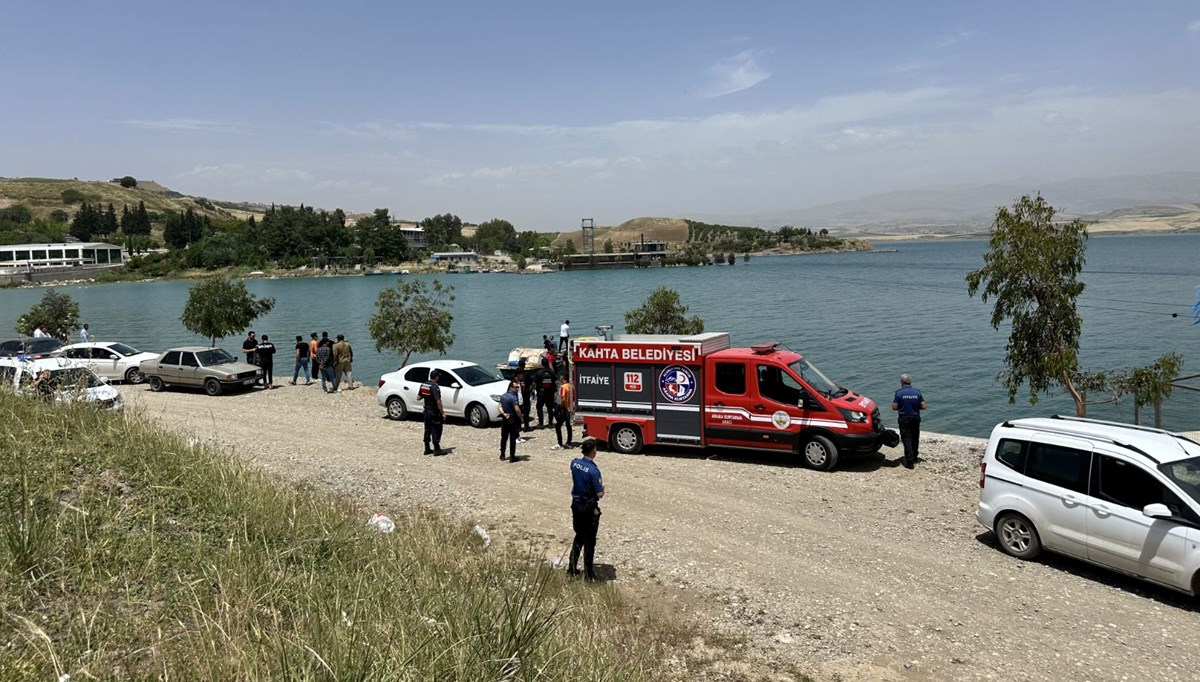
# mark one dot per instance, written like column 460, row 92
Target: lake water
column 863, row 318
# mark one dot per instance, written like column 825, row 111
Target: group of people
column 331, row 360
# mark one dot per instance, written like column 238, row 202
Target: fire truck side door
column 728, row 410
column 779, row 405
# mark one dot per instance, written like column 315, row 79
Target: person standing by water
column 908, row 403
column 301, row 361
column 562, row 415
column 510, row 426
column 312, row 354
column 341, row 358
column 266, row 360
column 435, row 414
column 587, row 487
column 324, row 360
column 85, row 334
column 249, row 348
column 564, row 335
column 545, row 397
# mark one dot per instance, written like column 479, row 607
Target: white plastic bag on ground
column 382, row 523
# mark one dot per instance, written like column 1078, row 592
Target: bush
column 59, row 216
column 128, row 181
column 72, row 196
column 17, row 213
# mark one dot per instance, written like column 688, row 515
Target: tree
column 442, row 230
column 1032, row 271
column 730, row 258
column 86, row 222
column 413, row 317
column 218, row 307
column 1150, row 385
column 128, row 181
column 663, row 313
column 377, row 234
column 108, row 221
column 496, row 235
column 57, row 315
column 608, row 246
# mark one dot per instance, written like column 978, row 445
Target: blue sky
column 547, row 112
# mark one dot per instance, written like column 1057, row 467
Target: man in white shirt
column 38, row 333
column 84, row 334
column 564, row 333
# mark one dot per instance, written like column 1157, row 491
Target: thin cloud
column 190, row 125
column 736, row 73
column 953, row 39
column 1194, row 28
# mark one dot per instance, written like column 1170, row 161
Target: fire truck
column 633, row 390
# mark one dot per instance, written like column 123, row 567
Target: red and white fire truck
column 634, row 390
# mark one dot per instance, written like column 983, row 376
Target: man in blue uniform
column 908, row 403
column 431, row 393
column 510, row 426
column 587, row 487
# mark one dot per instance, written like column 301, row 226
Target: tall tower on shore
column 589, row 236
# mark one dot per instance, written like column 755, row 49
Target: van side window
column 1131, row 486
column 1012, row 454
column 1058, row 465
column 774, row 384
column 731, row 378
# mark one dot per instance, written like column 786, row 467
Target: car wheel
column 133, row 375
column 626, row 439
column 156, row 383
column 396, row 409
column 212, row 387
column 1017, row 536
column 477, row 416
column 819, row 453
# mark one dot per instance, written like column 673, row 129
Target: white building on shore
column 31, row 257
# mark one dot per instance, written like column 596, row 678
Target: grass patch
column 127, row 552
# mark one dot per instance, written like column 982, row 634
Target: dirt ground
column 869, row 572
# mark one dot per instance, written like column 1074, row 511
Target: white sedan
column 112, row 360
column 468, row 390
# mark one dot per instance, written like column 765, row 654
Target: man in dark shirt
column 545, row 395
column 528, row 388
column 249, row 348
column 266, row 360
column 324, row 363
column 908, row 403
column 302, row 350
column 431, row 393
column 587, row 487
column 510, row 427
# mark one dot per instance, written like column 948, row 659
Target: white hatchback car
column 68, row 381
column 1119, row 496
column 468, row 390
column 111, row 360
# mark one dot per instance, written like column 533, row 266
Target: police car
column 468, row 390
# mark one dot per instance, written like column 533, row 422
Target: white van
column 69, row 381
column 1119, row 496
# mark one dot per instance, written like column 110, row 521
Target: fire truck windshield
column 815, row 379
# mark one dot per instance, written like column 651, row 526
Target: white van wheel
column 1017, row 536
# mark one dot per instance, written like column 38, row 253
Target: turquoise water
column 863, row 318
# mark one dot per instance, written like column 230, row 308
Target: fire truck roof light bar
column 765, row 348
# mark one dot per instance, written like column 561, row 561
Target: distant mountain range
column 970, row 208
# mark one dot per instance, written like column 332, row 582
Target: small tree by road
column 413, row 317
column 57, row 314
column 1031, row 270
column 662, row 313
column 218, row 307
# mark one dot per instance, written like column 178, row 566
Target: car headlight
column 853, row 416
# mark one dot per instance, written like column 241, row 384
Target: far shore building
column 34, row 257
column 453, row 257
column 415, row 236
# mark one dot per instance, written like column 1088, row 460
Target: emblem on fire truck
column 677, row 384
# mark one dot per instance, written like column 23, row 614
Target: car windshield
column 1186, row 474
column 126, row 351
column 74, row 377
column 814, row 378
column 474, row 375
column 213, row 356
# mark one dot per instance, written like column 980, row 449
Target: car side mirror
column 456, row 385
column 1157, row 511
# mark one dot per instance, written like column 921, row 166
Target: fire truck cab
column 698, row 391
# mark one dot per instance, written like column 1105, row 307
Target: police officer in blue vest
column 908, row 403
column 431, row 393
column 586, row 490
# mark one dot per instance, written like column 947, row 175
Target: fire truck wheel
column 626, row 439
column 819, row 453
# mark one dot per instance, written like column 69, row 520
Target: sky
column 545, row 113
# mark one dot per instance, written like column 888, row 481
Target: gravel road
column 870, row 572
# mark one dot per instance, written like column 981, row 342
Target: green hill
column 45, row 195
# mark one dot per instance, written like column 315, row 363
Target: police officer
column 908, row 403
column 431, row 393
column 587, row 487
column 528, row 388
column 510, row 426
